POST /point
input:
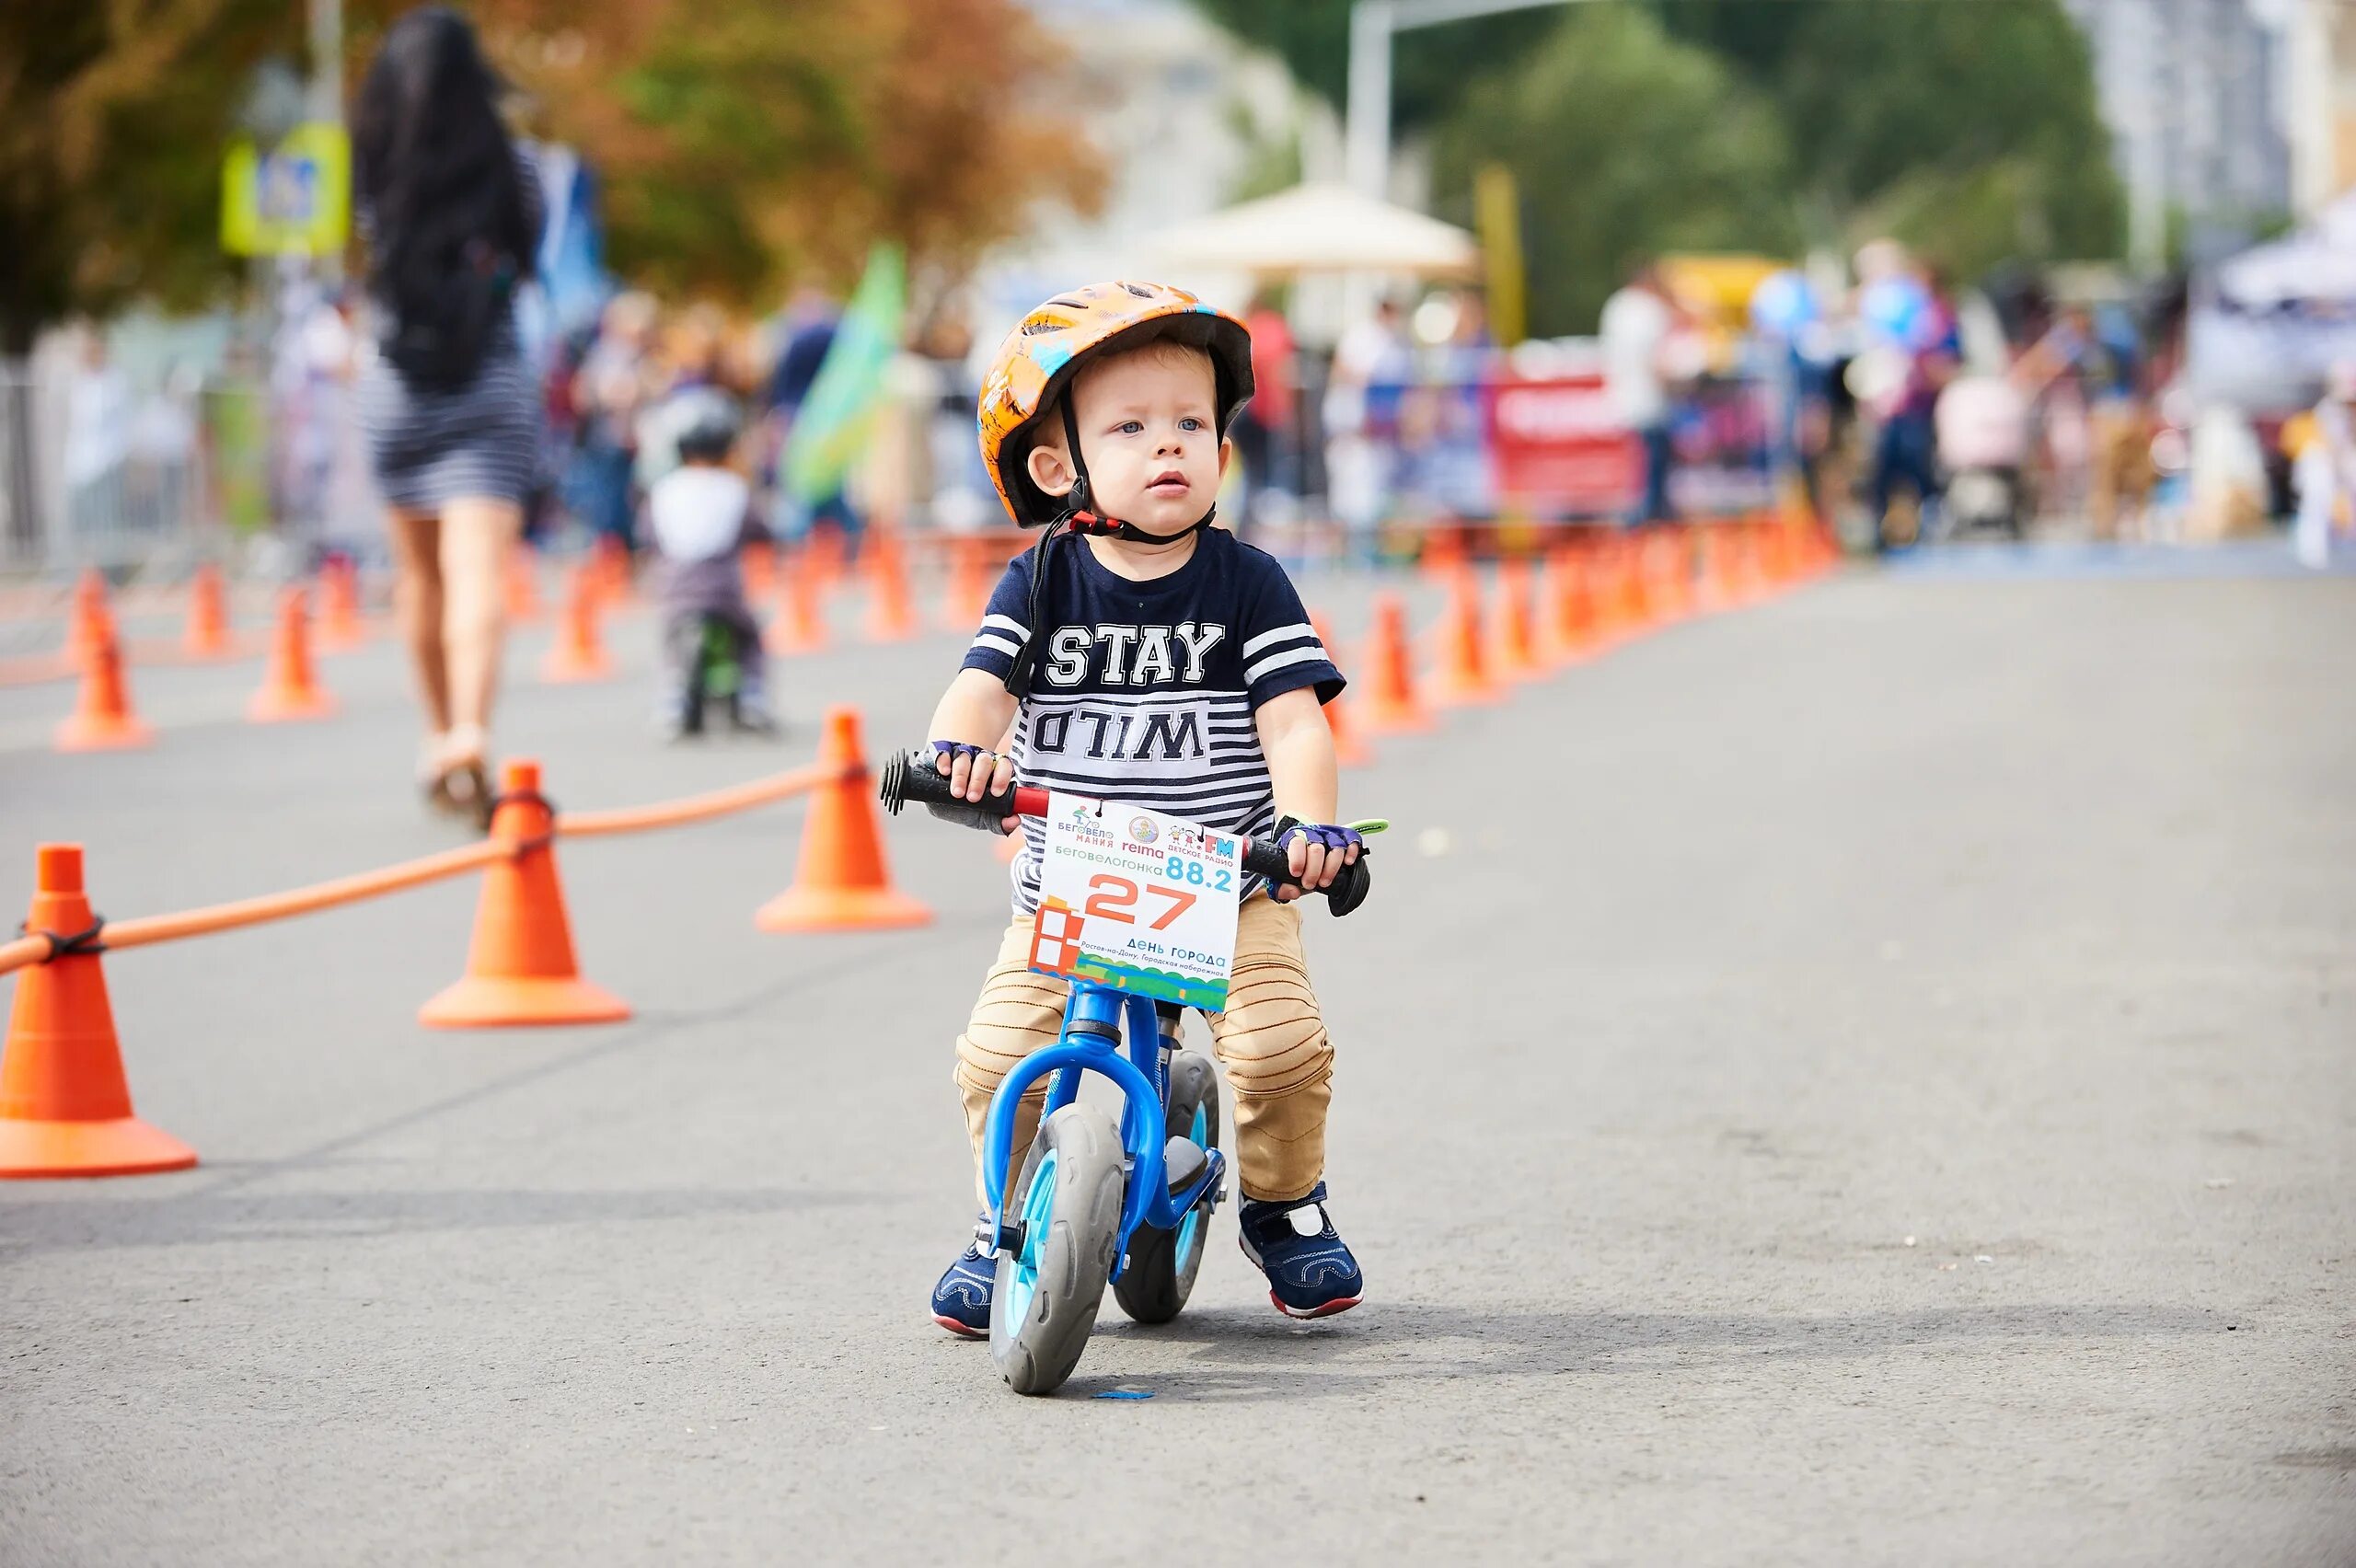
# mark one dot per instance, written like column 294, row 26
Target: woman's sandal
column 455, row 777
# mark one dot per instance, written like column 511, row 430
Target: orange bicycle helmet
column 1039, row 358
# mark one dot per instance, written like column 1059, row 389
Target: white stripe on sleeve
column 1276, row 662
column 1281, row 634
column 1006, row 623
column 1005, row 645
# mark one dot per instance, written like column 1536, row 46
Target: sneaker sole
column 962, row 1332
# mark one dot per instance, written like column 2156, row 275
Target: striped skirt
column 429, row 447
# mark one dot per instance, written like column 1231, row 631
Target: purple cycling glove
column 1324, row 834
column 955, row 749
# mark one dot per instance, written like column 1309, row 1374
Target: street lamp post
column 1373, row 24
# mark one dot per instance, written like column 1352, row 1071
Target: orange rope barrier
column 699, row 808
column 148, row 929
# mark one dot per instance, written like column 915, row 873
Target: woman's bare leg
column 418, row 604
column 477, row 535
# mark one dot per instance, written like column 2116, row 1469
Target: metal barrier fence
column 97, row 470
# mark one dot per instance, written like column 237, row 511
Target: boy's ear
column 1050, row 469
column 1226, row 452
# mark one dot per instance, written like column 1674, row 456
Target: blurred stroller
column 1983, row 423
column 701, row 516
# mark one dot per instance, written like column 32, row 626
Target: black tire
column 1071, row 1233
column 691, row 700
column 1155, row 1285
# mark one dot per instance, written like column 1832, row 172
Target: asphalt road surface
column 1864, row 1078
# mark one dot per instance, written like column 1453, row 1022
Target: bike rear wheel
column 1068, row 1199
column 1162, row 1263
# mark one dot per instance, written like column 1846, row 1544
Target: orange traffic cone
column 523, row 584
column 64, row 1105
column 1392, row 706
column 1443, row 553
column 799, row 626
column 842, row 883
column 103, row 719
column 1632, row 594
column 822, row 553
column 577, row 654
column 1676, row 565
column 1653, row 569
column 290, row 690
column 207, row 636
column 1464, row 678
column 1594, row 561
column 520, row 966
column 612, row 560
column 340, row 627
column 1735, row 563
column 891, row 617
column 1518, row 655
column 759, row 563
column 1350, row 749
column 970, row 584
column 1566, row 603
column 1775, row 553
column 90, row 623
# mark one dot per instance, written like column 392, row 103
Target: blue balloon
column 1782, row 304
column 1894, row 307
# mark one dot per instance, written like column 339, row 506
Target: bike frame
column 1090, row 1042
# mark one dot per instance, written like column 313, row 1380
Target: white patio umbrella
column 1316, row 228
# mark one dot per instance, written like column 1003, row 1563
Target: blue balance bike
column 1094, row 1204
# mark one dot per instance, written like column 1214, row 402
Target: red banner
column 1557, row 449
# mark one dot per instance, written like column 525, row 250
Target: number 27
column 1111, row 897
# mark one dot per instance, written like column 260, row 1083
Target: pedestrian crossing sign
column 294, row 199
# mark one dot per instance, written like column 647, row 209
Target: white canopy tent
column 1316, row 228
column 2267, row 324
column 2314, row 265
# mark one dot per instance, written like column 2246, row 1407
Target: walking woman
column 452, row 216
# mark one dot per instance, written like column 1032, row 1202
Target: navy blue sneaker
column 961, row 1302
column 1310, row 1272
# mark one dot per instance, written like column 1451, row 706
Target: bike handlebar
column 911, row 776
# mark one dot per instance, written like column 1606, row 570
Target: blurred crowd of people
column 1901, row 407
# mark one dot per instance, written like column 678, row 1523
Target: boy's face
column 1148, row 428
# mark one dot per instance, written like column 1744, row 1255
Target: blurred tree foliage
column 111, row 123
column 1970, row 131
column 1621, row 140
column 745, row 144
column 1967, row 127
column 1429, row 68
column 742, row 142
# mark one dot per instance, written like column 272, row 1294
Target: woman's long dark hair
column 435, row 175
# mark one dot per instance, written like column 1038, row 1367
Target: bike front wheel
column 1068, row 1199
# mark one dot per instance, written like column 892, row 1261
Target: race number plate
column 1137, row 901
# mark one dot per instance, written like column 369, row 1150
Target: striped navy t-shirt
column 1144, row 692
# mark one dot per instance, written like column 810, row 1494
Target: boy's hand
column 1316, row 853
column 973, row 772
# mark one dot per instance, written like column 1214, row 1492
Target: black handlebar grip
column 911, row 776
column 1346, row 892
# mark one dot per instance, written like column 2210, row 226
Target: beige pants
column 1271, row 1039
